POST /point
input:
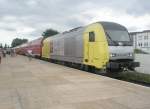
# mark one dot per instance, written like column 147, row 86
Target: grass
column 135, row 77
column 138, row 51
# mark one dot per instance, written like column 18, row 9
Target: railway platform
column 37, row 84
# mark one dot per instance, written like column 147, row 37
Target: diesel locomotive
column 101, row 45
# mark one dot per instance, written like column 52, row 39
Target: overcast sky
column 29, row 18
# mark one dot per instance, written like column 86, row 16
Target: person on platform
column 0, row 55
column 29, row 54
column 4, row 53
column 12, row 52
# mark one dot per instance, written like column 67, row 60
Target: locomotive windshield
column 118, row 35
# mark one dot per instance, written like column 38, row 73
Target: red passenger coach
column 35, row 46
column 21, row 49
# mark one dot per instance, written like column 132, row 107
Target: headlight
column 130, row 54
column 113, row 55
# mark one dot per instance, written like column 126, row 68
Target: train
column 35, row 46
column 99, row 46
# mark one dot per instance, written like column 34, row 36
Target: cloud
column 29, row 18
column 133, row 23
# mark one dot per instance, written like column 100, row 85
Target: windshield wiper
column 111, row 39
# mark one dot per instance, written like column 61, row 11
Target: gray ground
column 144, row 60
column 37, row 84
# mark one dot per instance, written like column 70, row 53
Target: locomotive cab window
column 91, row 37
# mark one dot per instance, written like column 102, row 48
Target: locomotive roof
column 106, row 25
column 112, row 26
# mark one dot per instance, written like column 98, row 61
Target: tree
column 49, row 32
column 1, row 45
column 18, row 41
column 5, row 46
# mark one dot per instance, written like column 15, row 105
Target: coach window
column 91, row 36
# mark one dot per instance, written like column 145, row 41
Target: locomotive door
column 95, row 46
column 89, row 42
column 86, row 48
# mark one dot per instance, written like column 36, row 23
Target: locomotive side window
column 91, row 37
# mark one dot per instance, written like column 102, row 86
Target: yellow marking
column 96, row 53
column 46, row 48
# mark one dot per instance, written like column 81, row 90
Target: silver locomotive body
column 120, row 47
column 122, row 58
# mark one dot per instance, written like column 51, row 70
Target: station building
column 141, row 40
